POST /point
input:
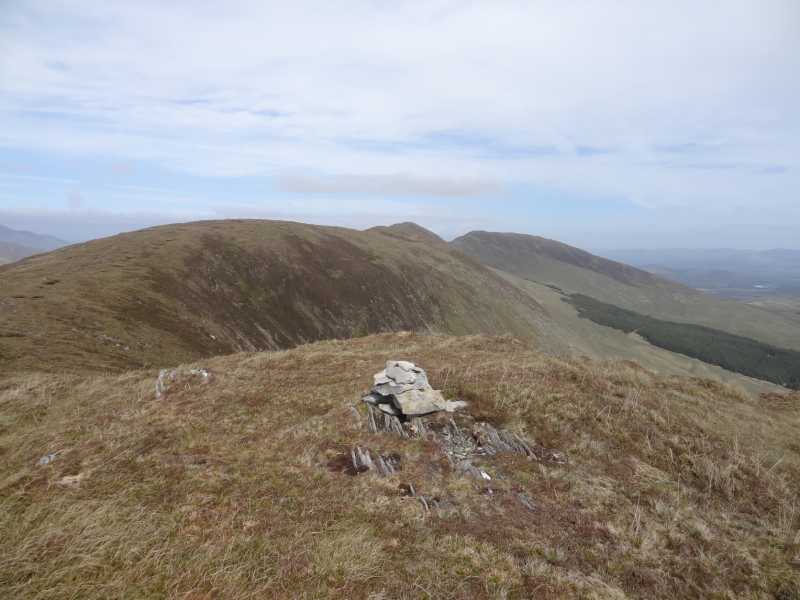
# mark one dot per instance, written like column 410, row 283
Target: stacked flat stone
column 403, row 389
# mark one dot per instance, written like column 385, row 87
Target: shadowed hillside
column 177, row 293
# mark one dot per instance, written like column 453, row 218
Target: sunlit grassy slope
column 674, row 487
column 735, row 353
column 575, row 271
column 567, row 334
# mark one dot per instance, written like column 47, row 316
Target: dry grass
column 674, row 487
column 180, row 293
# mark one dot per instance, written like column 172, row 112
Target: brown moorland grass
column 179, row 293
column 674, row 488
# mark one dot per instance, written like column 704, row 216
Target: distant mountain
column 574, row 271
column 526, row 254
column 13, row 252
column 162, row 296
column 27, row 239
column 741, row 274
column 410, row 232
column 183, row 292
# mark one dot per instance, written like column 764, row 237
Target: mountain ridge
column 34, row 241
column 10, row 252
column 571, row 270
column 497, row 250
column 174, row 293
column 170, row 294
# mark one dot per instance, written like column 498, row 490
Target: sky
column 604, row 124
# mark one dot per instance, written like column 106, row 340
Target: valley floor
column 236, row 484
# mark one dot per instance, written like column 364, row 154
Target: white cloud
column 456, row 96
column 385, row 185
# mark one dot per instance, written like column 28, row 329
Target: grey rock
column 381, row 378
column 374, row 399
column 162, row 383
column 458, row 443
column 361, row 459
column 494, row 441
column 406, row 388
column 47, row 459
column 404, row 365
column 384, row 465
column 380, row 422
column 527, row 501
column 419, row 402
column 166, row 377
column 400, row 371
column 389, row 409
column 388, row 465
column 391, row 388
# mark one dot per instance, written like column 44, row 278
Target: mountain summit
column 410, row 232
column 181, row 292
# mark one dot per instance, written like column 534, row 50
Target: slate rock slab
column 402, row 388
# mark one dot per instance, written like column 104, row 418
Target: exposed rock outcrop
column 402, row 402
column 169, row 377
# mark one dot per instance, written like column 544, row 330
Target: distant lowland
column 747, row 275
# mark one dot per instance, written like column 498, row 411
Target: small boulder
column 419, row 402
column 48, row 458
column 167, row 377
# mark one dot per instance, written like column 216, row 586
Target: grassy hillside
column 786, row 306
column 237, row 488
column 177, row 293
column 565, row 333
column 410, row 232
column 732, row 352
column 517, row 252
column 544, row 262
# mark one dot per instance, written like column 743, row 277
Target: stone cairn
column 402, row 390
column 402, row 402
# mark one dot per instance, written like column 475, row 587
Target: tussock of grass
column 674, row 487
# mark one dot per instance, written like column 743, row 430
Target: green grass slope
column 566, row 334
column 177, row 293
column 519, row 253
column 732, row 352
column 574, row 271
